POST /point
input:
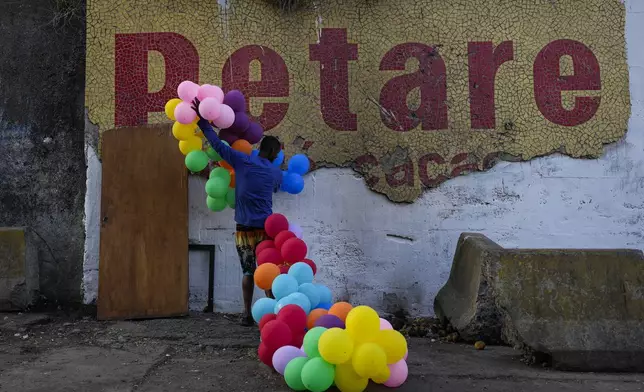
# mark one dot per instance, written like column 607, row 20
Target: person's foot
column 247, row 320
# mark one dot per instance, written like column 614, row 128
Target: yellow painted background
column 377, row 26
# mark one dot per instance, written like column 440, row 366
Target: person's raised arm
column 233, row 157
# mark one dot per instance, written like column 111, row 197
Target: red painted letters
column 549, row 83
column 274, row 81
column 430, row 78
column 133, row 101
column 484, row 62
column 334, row 53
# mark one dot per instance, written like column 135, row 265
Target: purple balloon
column 235, row 99
column 254, row 133
column 329, row 321
column 241, row 123
column 284, row 355
column 228, row 136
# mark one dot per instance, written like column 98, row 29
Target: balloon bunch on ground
column 313, row 342
column 228, row 113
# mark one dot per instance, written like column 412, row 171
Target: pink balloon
column 284, row 355
column 187, row 91
column 184, row 113
column 210, row 91
column 384, row 324
column 399, row 373
column 226, row 117
column 209, row 108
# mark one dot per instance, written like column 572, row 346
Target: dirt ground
column 207, row 352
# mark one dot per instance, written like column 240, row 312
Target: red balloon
column 266, row 244
column 298, row 340
column 284, row 268
column 265, row 354
column 282, row 238
column 269, row 255
column 275, row 224
column 276, row 334
column 311, row 264
column 294, row 317
column 265, row 319
column 293, row 250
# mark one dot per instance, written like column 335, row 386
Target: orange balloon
column 265, row 274
column 225, row 165
column 314, row 316
column 244, row 146
column 232, row 178
column 341, row 310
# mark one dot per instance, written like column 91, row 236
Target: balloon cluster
column 228, row 113
column 311, row 341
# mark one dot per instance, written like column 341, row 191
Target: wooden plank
column 143, row 268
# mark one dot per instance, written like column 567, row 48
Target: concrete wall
column 391, row 256
column 42, row 165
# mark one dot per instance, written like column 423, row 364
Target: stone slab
column 578, row 309
column 19, row 277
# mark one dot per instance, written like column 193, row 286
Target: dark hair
column 270, row 147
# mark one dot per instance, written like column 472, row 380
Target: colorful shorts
column 247, row 239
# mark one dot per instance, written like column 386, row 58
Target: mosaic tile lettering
column 408, row 93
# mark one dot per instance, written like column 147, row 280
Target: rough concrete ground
column 206, row 352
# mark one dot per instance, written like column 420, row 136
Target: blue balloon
column 281, row 303
column 293, row 183
column 284, row 285
column 298, row 164
column 261, row 307
column 302, row 272
column 311, row 292
column 324, row 305
column 254, row 153
column 325, row 294
column 279, row 160
column 301, row 300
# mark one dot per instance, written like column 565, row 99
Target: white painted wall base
column 354, row 234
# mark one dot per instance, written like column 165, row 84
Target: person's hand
column 195, row 107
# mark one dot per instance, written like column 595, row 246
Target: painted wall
column 398, row 255
column 42, row 165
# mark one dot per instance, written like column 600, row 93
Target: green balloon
column 215, row 204
column 196, row 161
column 212, row 154
column 318, row 375
column 221, row 173
column 293, row 373
column 230, row 198
column 217, row 187
column 311, row 341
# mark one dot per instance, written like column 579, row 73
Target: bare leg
column 248, row 286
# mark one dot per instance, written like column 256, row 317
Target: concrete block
column 19, row 272
column 580, row 309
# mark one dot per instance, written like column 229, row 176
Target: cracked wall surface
column 407, row 93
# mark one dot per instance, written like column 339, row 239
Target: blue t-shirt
column 256, row 179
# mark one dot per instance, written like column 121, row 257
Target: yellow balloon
column 362, row 324
column 192, row 144
column 170, row 106
column 182, row 131
column 393, row 343
column 346, row 379
column 335, row 346
column 201, row 135
column 383, row 376
column 369, row 360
